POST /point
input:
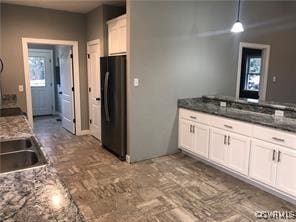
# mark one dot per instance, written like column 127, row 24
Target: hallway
column 170, row 188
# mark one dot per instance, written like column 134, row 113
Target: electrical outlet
column 21, row 88
column 274, row 79
column 223, row 104
column 136, row 82
column 279, row 113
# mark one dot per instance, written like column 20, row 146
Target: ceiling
column 80, row 6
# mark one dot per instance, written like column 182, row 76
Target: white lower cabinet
column 186, row 136
column 218, row 149
column 194, row 137
column 273, row 165
column 286, row 170
column 201, row 139
column 262, row 162
column 230, row 149
column 238, row 151
column 265, row 155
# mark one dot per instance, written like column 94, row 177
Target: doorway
column 93, row 67
column 42, row 81
column 252, row 71
column 64, row 83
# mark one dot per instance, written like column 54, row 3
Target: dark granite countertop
column 33, row 194
column 206, row 105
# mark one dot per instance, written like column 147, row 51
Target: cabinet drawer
column 232, row 125
column 195, row 116
column 275, row 136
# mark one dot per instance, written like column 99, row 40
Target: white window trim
column 74, row 44
column 264, row 76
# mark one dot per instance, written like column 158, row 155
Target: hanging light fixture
column 237, row 26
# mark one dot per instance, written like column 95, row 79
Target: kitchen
column 180, row 52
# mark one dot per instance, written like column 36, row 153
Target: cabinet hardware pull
column 190, row 128
column 273, row 155
column 193, row 129
column 227, row 126
column 228, row 140
column 279, row 156
column 192, row 117
column 225, row 138
column 278, row 139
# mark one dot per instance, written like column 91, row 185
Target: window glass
column 253, row 73
column 37, row 71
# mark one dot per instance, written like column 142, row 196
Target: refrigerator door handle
column 106, row 105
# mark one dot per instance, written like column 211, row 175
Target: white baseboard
column 83, row 132
column 128, row 158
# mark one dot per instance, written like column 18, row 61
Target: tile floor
column 170, row 188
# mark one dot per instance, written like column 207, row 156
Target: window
column 253, row 70
column 37, row 71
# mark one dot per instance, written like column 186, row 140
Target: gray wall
column 96, row 24
column 20, row 21
column 185, row 49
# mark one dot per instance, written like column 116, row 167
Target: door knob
column 98, row 99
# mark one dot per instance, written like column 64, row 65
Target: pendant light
column 237, row 26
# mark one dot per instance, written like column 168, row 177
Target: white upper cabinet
column 117, row 35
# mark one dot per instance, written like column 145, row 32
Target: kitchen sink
column 15, row 145
column 19, row 154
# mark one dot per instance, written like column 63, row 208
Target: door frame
column 74, row 45
column 264, row 76
column 88, row 44
column 52, row 74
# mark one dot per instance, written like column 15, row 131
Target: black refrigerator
column 113, row 104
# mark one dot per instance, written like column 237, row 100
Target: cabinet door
column 123, row 37
column 263, row 162
column 186, row 136
column 286, row 171
column 218, row 140
column 113, row 37
column 201, row 139
column 238, row 151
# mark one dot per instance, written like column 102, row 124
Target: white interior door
column 41, row 81
column 66, row 65
column 93, row 49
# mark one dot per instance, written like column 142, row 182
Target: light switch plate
column 274, row 79
column 136, row 82
column 21, row 88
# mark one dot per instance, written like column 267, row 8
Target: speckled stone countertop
column 33, row 194
column 261, row 115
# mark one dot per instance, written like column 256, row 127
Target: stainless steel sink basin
column 15, row 145
column 20, row 154
column 17, row 160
